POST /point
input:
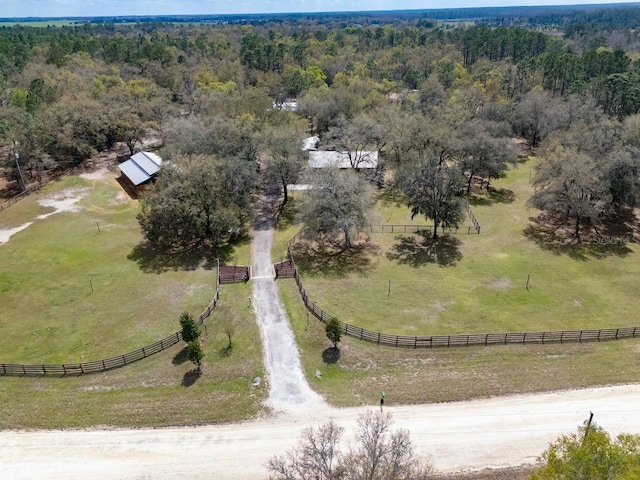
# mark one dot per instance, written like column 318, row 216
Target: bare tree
column 316, row 458
column 379, row 454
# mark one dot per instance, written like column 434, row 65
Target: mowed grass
column 576, row 286
column 161, row 390
column 357, row 373
column 476, row 283
column 70, row 288
column 131, row 305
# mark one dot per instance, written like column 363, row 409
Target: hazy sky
column 66, row 8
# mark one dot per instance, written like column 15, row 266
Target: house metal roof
column 324, row 159
column 141, row 167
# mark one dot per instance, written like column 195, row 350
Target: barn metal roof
column 141, row 167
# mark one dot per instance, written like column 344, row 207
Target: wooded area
column 409, row 87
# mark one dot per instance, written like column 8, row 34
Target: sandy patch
column 501, row 284
column 100, row 174
column 6, row 234
column 65, row 201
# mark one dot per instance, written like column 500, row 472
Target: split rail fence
column 97, row 366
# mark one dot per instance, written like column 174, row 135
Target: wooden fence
column 472, row 217
column 234, row 273
column 118, row 361
column 25, row 193
column 426, row 229
column 463, row 340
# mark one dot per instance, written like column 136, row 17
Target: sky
column 94, row 8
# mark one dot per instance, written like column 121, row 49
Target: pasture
column 50, row 315
column 404, row 284
column 479, row 286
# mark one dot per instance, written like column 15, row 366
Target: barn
column 139, row 170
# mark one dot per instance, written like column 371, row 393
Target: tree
column 432, row 190
column 339, row 202
column 190, row 331
column 197, row 202
column 283, row 161
column 333, row 329
column 590, row 453
column 317, row 456
column 570, row 186
column 195, row 353
column 531, row 117
column 379, row 454
column 481, row 153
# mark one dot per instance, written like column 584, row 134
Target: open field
column 40, row 23
column 160, row 390
column 574, row 286
column 476, row 283
column 135, row 301
column 359, row 371
column 75, row 287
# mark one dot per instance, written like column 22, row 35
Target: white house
column 357, row 159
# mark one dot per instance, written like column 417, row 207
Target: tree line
column 448, row 101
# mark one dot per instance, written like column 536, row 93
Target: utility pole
column 17, row 157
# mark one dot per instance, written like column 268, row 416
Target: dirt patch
column 501, row 284
column 65, row 201
column 100, row 174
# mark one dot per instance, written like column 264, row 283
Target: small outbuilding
column 140, row 170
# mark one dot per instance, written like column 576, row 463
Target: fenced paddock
column 464, row 340
column 97, row 366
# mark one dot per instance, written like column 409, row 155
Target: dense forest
column 410, row 87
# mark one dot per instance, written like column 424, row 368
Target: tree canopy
column 197, row 201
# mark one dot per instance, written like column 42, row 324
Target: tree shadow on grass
column 152, row 258
column 492, row 196
column 226, row 351
column 417, row 251
column 191, row 376
column 331, row 355
column 181, row 357
column 285, row 215
column 331, row 261
column 553, row 236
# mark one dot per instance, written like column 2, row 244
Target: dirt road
column 466, row 435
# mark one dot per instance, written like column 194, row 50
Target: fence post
column 415, row 342
column 617, row 331
column 544, row 334
column 378, row 338
column 580, row 337
column 599, row 332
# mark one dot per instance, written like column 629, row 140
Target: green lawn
column 158, row 391
column 49, row 314
column 476, row 283
column 479, row 288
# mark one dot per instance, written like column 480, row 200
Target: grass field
column 476, row 283
column 73, row 286
column 160, row 390
column 49, row 314
column 572, row 286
